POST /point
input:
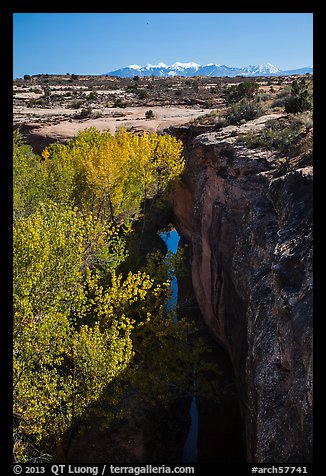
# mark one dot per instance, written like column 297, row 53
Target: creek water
column 190, row 449
column 215, row 432
column 171, row 239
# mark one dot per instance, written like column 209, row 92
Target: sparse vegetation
column 220, row 121
column 300, row 99
column 282, row 134
column 295, row 98
column 142, row 94
column 235, row 100
column 84, row 113
column 120, row 103
column 242, row 110
column 76, row 105
column 31, row 103
column 149, row 114
column 244, row 90
column 46, row 91
column 91, row 96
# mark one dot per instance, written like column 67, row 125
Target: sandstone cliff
column 248, row 219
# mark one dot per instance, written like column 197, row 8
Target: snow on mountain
column 261, row 69
column 271, row 68
column 219, row 70
column 182, row 66
column 158, row 65
column 211, row 69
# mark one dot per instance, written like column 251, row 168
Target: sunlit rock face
column 248, row 221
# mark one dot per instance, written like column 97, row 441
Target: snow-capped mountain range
column 211, row 69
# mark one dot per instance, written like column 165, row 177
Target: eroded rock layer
column 248, row 218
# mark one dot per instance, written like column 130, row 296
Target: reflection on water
column 171, row 239
column 190, row 449
column 215, row 430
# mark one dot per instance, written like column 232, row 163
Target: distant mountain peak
column 158, row 65
column 186, row 65
column 211, row 69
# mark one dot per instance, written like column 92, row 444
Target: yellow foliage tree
column 62, row 361
column 78, row 322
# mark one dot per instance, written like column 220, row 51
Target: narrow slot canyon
column 215, row 430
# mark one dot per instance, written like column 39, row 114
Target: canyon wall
column 248, row 219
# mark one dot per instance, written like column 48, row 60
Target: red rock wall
column 249, row 225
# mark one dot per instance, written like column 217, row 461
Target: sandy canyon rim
column 131, row 118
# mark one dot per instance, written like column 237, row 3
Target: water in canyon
column 171, row 239
column 190, row 449
column 215, row 432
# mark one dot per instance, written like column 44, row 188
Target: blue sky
column 96, row 43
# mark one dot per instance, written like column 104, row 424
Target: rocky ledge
column 248, row 218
